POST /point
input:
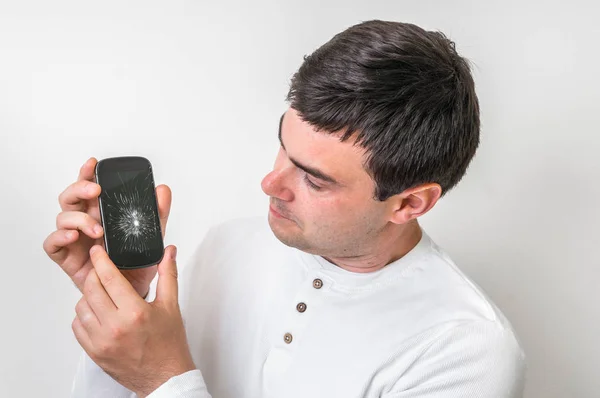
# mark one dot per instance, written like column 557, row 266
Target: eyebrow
column 310, row 170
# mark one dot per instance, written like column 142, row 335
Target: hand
column 139, row 344
column 69, row 245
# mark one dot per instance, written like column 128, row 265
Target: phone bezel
column 126, row 163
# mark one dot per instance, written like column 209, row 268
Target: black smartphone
column 129, row 212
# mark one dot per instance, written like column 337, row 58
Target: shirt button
column 317, row 283
column 301, row 307
column 287, row 338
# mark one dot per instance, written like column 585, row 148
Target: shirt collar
column 354, row 281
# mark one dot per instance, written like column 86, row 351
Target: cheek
column 326, row 209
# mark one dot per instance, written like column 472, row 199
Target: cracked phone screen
column 130, row 216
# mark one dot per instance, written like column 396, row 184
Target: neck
column 394, row 243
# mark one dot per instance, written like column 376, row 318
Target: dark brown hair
column 405, row 92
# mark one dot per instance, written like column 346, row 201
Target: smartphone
column 129, row 212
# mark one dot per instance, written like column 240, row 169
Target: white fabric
column 416, row 328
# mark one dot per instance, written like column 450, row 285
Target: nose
column 274, row 184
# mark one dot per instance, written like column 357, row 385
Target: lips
column 280, row 213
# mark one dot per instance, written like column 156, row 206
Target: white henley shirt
column 267, row 320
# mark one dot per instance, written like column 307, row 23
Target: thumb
column 167, row 286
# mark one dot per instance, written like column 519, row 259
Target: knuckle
column 87, row 219
column 107, row 279
column 139, row 316
column 46, row 244
column 79, row 306
column 61, row 197
column 116, row 332
column 102, row 350
column 106, row 350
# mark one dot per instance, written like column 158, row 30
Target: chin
column 287, row 236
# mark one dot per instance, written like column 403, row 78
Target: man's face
column 338, row 218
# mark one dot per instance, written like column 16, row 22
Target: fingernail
column 174, row 253
column 94, row 249
column 97, row 228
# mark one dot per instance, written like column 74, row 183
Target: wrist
column 164, row 376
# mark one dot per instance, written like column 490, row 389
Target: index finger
column 86, row 172
column 70, row 198
column 116, row 285
column 76, row 196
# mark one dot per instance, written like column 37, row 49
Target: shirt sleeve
column 479, row 359
column 92, row 382
column 186, row 385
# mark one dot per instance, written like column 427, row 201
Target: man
column 338, row 292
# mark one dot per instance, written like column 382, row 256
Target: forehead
column 341, row 160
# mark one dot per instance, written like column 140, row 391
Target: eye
column 311, row 184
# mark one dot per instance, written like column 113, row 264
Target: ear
column 415, row 202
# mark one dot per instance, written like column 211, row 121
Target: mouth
column 275, row 213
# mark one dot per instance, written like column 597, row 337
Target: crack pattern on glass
column 131, row 215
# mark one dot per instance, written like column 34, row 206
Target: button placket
column 306, row 302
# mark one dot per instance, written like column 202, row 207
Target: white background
column 198, row 88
